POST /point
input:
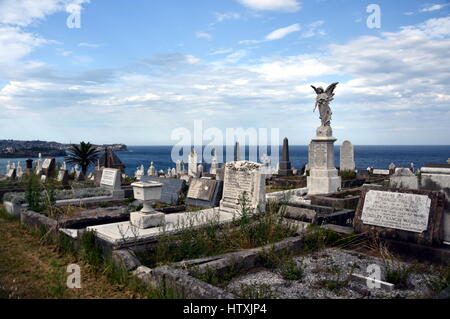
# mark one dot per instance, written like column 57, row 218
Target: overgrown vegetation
column 440, row 281
column 347, row 174
column 213, row 238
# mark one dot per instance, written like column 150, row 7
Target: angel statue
column 323, row 100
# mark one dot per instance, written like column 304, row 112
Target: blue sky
column 136, row 70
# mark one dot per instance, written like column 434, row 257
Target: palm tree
column 84, row 155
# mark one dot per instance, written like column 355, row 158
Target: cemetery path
column 30, row 269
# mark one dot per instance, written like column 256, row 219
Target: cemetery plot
column 330, row 274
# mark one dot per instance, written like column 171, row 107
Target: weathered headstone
column 11, row 173
column 151, row 170
column 392, row 168
column 111, row 179
column 243, row 177
column 220, row 174
column 171, row 190
column 199, row 170
column 285, row 164
column 408, row 215
column 63, row 177
column 204, row 192
column 48, row 166
column 178, row 167
column 435, row 178
column 347, row 156
column 214, row 166
column 79, row 176
column 404, row 178
column 192, row 163
column 376, row 171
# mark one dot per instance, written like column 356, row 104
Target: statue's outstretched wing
column 331, row 88
column 315, row 89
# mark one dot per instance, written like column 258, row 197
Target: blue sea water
column 377, row 156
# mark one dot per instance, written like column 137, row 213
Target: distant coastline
column 22, row 149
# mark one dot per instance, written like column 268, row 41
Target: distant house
column 110, row 160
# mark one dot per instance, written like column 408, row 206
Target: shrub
column 290, row 270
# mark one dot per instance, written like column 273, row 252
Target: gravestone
column 240, row 177
column 323, row 176
column 111, row 179
column 392, row 168
column 220, row 174
column 98, row 176
column 404, row 178
column 285, row 165
column 204, row 192
column 407, row 215
column 347, row 157
column 11, row 173
column 376, row 171
column 171, row 190
column 178, row 167
column 79, row 176
column 214, row 166
column 199, row 170
column 151, row 170
column 63, row 177
column 48, row 166
column 192, row 163
column 435, row 178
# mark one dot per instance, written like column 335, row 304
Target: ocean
column 377, row 156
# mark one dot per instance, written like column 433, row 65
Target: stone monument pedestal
column 324, row 177
column 147, row 220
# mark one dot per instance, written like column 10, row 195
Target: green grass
column 248, row 231
column 290, row 270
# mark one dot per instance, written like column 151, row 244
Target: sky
column 115, row 71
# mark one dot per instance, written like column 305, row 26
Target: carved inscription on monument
column 238, row 182
column 108, row 177
column 403, row 211
column 202, row 189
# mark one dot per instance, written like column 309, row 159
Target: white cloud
column 435, row 7
column 391, row 80
column 272, row 5
column 203, row 35
column 88, row 45
column 282, row 32
column 313, row 30
column 24, row 12
column 221, row 51
column 220, row 17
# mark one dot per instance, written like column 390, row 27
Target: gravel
column 330, row 265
